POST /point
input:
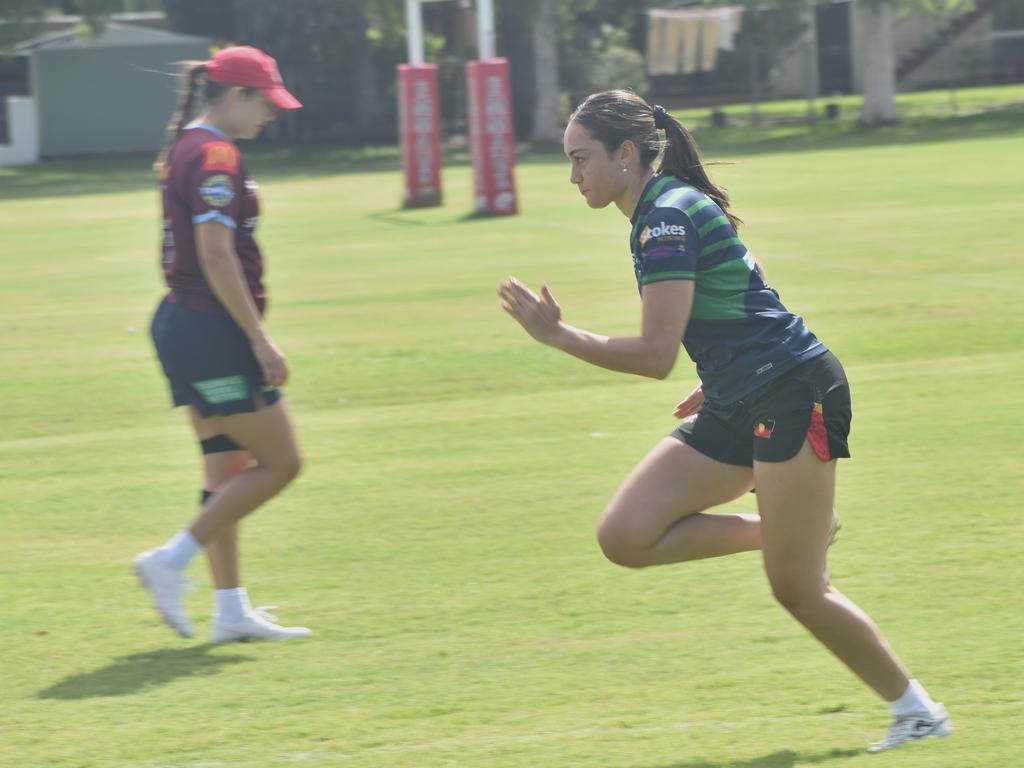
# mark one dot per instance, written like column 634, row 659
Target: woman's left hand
column 690, row 405
column 540, row 316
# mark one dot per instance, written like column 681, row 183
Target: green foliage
column 338, row 56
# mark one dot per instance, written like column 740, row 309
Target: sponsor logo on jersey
column 218, row 190
column 220, row 156
column 663, row 231
column 764, row 428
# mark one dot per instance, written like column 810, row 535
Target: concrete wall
column 972, row 48
column 22, row 133
column 106, row 99
column 950, row 65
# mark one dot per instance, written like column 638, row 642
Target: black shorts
column 810, row 402
column 208, row 361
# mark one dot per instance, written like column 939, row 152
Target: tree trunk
column 879, row 66
column 366, row 96
column 547, row 111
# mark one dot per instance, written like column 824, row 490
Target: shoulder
column 207, row 153
column 667, row 219
column 219, row 155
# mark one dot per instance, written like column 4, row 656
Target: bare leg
column 656, row 517
column 795, row 499
column 222, row 549
column 268, row 435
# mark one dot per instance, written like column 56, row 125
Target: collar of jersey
column 210, row 128
column 651, row 190
column 650, row 193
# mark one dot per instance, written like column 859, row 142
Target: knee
column 288, row 467
column 292, row 466
column 617, row 546
column 798, row 596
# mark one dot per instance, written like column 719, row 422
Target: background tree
column 547, row 112
column 879, row 56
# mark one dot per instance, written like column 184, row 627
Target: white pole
column 485, row 28
column 414, row 31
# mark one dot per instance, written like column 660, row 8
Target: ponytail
column 192, row 75
column 613, row 117
column 682, row 159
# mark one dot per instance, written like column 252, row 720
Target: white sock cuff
column 914, row 699
column 179, row 551
column 232, row 603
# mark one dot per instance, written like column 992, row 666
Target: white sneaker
column 917, row 725
column 166, row 586
column 258, row 624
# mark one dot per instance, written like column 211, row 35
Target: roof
column 113, row 36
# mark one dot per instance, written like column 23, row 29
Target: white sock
column 232, row 604
column 179, row 551
column 914, row 699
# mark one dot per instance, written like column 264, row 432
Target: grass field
column 440, row 542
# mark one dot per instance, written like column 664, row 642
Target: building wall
column 952, row 65
column 98, row 99
column 971, row 52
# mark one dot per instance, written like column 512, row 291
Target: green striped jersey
column 740, row 335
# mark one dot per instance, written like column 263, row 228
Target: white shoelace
column 907, row 728
column 263, row 612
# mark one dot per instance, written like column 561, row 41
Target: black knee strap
column 219, row 444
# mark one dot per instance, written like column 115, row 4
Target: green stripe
column 698, row 206
column 721, row 291
column 655, row 190
column 715, row 223
column 657, row 277
column 719, row 246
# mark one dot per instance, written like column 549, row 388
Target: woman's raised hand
column 540, row 316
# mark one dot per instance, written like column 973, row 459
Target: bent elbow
column 661, row 373
column 662, row 366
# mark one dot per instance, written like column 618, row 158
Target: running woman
column 209, row 334
column 773, row 409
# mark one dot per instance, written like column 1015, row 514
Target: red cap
column 251, row 68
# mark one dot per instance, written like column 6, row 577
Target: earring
column 624, row 169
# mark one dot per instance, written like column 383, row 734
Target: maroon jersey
column 204, row 179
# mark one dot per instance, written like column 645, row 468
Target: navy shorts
column 208, row 361
column 810, row 402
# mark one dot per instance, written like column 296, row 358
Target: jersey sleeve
column 667, row 247
column 215, row 185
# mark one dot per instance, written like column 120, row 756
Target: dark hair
column 193, row 74
column 613, row 117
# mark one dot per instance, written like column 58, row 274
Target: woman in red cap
column 211, row 339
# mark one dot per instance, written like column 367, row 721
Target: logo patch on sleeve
column 764, row 428
column 668, row 233
column 220, row 156
column 218, row 190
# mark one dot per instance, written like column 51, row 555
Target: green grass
column 440, row 542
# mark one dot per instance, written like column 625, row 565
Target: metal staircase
column 916, row 58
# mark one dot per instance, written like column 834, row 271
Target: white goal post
column 414, row 28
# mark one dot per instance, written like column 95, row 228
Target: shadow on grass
column 131, row 674
column 785, row 758
column 400, row 217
